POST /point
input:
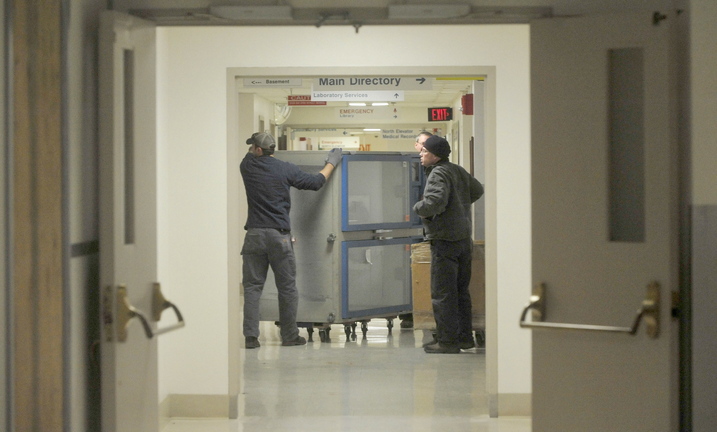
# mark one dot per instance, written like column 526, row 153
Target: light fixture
column 234, row 12
column 428, row 11
column 357, row 103
column 379, row 104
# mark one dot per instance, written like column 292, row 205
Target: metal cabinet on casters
column 352, row 241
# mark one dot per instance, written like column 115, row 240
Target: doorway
column 250, row 108
column 200, row 143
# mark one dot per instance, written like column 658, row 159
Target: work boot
column 300, row 340
column 432, row 341
column 438, row 348
column 251, row 342
column 467, row 344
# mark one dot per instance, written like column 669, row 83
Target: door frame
column 237, row 212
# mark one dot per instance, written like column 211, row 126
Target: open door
column 604, row 225
column 128, row 224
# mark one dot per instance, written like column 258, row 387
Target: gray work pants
column 264, row 247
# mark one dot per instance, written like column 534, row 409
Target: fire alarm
column 467, row 104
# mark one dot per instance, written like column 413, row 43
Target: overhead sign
column 372, row 83
column 305, row 100
column 348, row 143
column 272, row 82
column 400, row 134
column 359, row 95
column 364, row 113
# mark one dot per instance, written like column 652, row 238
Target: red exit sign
column 440, row 114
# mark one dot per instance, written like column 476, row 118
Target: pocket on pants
column 253, row 243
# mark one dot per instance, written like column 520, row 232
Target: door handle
column 125, row 312
column 649, row 311
column 159, row 304
column 368, row 256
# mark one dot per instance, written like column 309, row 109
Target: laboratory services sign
column 358, row 95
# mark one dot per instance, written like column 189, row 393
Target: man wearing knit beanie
column 438, row 146
column 445, row 211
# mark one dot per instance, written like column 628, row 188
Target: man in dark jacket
column 446, row 214
column 268, row 238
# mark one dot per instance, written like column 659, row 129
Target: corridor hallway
column 384, row 382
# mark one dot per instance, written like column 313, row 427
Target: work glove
column 334, row 156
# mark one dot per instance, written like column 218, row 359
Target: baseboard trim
column 514, row 405
column 194, row 406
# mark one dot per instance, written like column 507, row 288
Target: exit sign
column 440, row 114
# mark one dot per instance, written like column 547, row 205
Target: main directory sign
column 387, row 83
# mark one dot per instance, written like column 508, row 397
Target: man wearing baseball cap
column 267, row 181
column 445, row 211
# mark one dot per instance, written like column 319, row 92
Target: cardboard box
column 421, row 286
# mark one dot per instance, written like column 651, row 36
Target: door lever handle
column 159, row 304
column 649, row 311
column 125, row 312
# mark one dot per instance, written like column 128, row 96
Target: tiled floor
column 384, row 382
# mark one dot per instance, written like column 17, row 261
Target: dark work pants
column 264, row 247
column 450, row 297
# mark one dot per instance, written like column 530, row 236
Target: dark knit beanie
column 438, row 146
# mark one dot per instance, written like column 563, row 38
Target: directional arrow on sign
column 421, row 80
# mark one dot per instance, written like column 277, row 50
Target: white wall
column 192, row 131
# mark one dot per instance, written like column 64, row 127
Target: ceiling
column 362, row 13
column 373, row 12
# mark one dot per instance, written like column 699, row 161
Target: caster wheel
column 347, row 330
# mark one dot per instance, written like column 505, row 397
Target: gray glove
column 334, row 156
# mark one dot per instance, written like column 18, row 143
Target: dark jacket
column 446, row 205
column 267, row 181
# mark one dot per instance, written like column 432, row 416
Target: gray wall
column 82, row 367
column 701, row 132
column 4, row 291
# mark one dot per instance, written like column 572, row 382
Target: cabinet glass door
column 379, row 191
column 376, row 277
